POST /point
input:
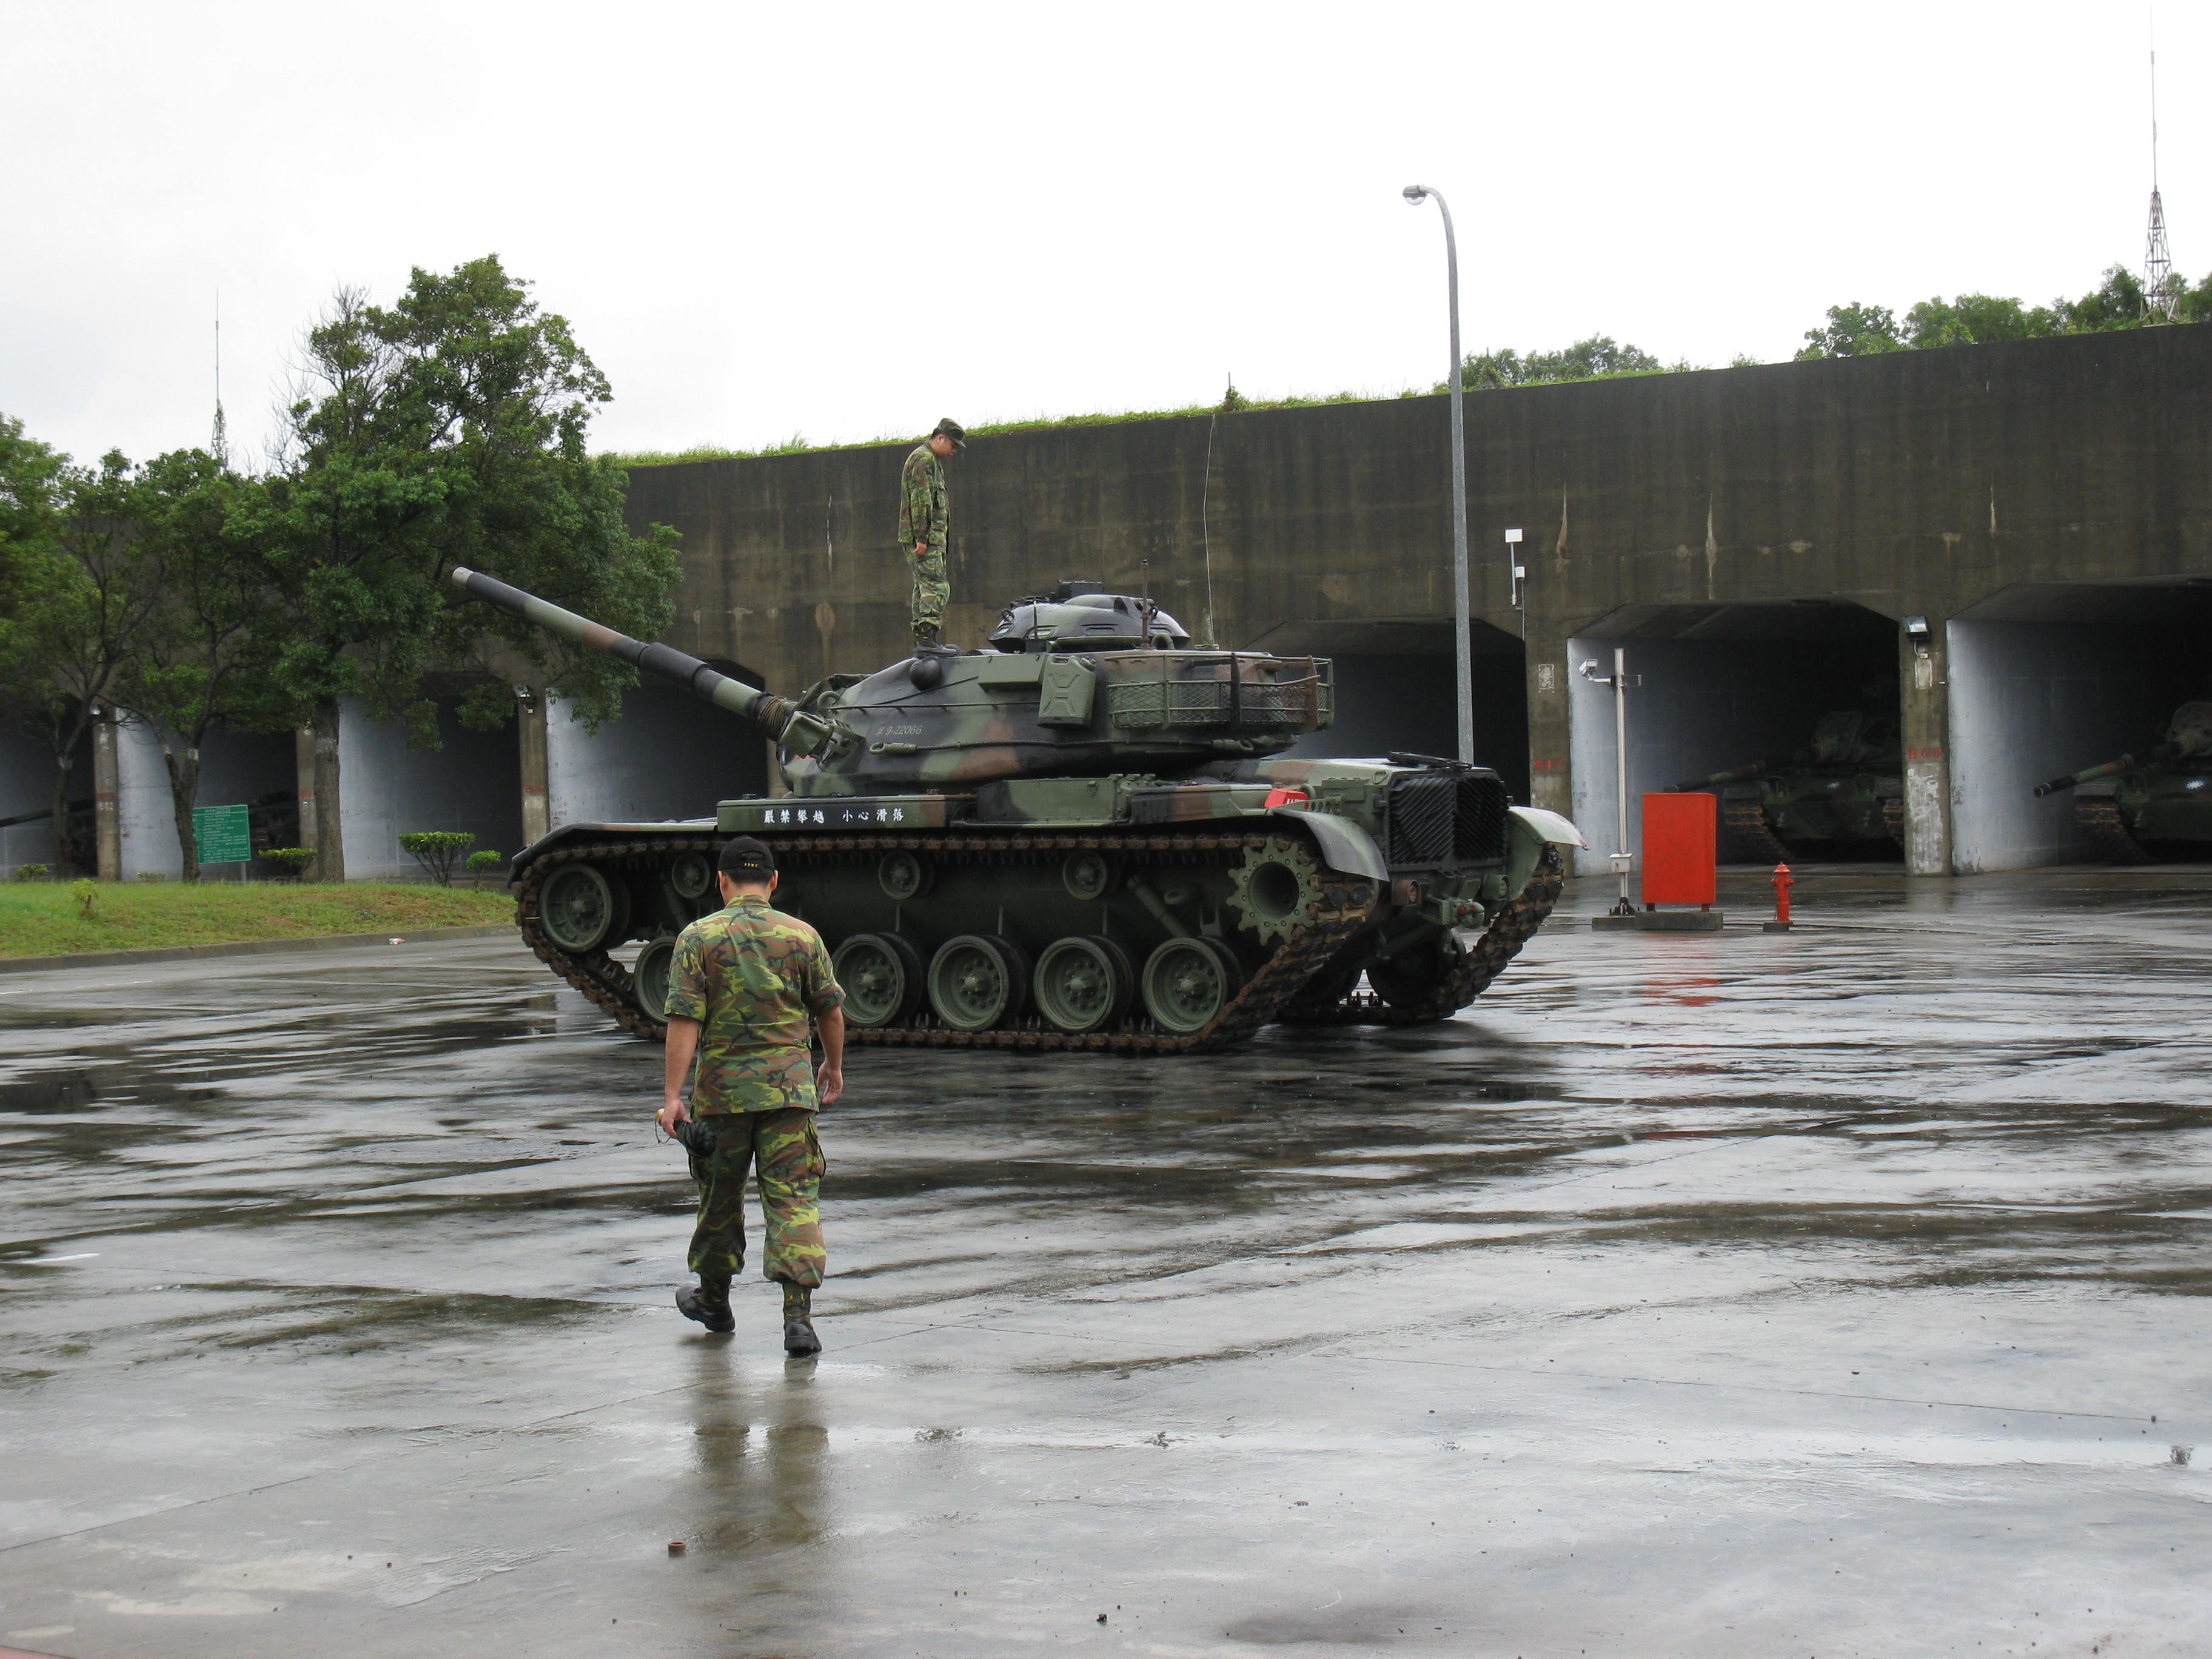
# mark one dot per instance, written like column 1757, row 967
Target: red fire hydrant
column 1783, row 882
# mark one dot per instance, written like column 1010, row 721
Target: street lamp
column 1463, row 637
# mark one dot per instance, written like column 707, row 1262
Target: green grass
column 798, row 446
column 42, row 919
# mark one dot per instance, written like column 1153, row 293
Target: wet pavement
column 1835, row 1293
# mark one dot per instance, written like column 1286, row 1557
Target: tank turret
column 1073, row 687
column 1087, row 837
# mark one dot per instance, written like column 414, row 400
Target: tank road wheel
column 1412, row 978
column 978, row 980
column 882, row 973
column 1277, row 887
column 1188, row 982
column 652, row 976
column 689, row 874
column 577, row 907
column 1084, row 984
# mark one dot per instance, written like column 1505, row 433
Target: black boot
column 798, row 1338
column 710, row 1305
column 927, row 644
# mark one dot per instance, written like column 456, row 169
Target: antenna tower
column 219, row 443
column 2162, row 296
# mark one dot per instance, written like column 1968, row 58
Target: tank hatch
column 1081, row 616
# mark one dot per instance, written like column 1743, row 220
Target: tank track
column 2100, row 814
column 1745, row 820
column 1339, row 907
column 1893, row 817
column 1509, row 930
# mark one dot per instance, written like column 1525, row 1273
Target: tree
column 1975, row 319
column 2116, row 302
column 447, row 430
column 79, row 599
column 1594, row 359
column 206, row 655
column 1853, row 330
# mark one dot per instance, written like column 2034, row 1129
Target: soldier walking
column 743, row 983
column 922, row 520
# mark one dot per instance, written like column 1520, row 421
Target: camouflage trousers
column 932, row 593
column 787, row 1153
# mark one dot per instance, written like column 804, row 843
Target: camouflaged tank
column 1846, row 787
column 1086, row 837
column 2164, row 799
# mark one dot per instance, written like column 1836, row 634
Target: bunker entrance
column 2108, row 684
column 1787, row 712
column 667, row 755
column 1395, row 691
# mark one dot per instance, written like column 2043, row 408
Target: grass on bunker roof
column 42, row 918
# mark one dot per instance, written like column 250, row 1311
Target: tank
column 1086, row 836
column 1845, row 788
column 2163, row 802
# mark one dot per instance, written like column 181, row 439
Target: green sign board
column 223, row 833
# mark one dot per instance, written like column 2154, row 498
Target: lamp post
column 1463, row 637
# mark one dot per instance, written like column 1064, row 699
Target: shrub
column 86, row 892
column 482, row 863
column 436, row 849
column 289, row 862
column 32, row 873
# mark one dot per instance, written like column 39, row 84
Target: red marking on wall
column 1547, row 763
column 1934, row 752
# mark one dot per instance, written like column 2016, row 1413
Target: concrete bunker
column 1788, row 711
column 1395, row 690
column 2049, row 679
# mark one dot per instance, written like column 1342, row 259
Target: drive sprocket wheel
column 2100, row 814
column 1893, row 817
column 1745, row 821
column 1276, row 885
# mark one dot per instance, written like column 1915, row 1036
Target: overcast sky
column 843, row 221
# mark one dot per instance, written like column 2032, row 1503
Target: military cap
column 951, row 428
column 745, row 858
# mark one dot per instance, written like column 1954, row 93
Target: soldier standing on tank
column 741, row 985
column 922, row 520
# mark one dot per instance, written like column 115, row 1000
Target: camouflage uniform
column 751, row 976
column 923, row 517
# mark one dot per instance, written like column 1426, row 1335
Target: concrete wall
column 473, row 782
column 669, row 756
column 1910, row 483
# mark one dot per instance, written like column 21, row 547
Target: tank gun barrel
column 1734, row 775
column 779, row 717
column 2087, row 774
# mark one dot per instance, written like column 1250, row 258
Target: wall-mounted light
column 1513, row 560
column 1916, row 630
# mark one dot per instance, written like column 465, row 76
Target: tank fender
column 1548, row 826
column 1344, row 845
column 569, row 833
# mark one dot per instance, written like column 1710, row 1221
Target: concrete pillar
column 107, row 801
column 1923, row 669
column 303, row 768
column 1550, row 728
column 530, row 741
column 145, row 808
